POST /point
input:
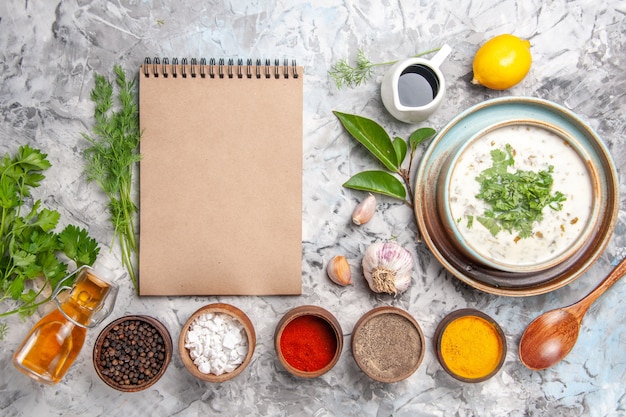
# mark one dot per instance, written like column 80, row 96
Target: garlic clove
column 364, row 211
column 387, row 267
column 338, row 271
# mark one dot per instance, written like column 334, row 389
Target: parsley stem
column 26, row 307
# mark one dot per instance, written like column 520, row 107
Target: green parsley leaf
column 16, row 287
column 23, row 258
column 53, row 269
column 78, row 246
column 47, row 219
column 32, row 159
column 8, row 193
column 490, row 224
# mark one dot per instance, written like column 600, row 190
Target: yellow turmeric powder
column 471, row 347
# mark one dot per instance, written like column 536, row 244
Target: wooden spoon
column 551, row 336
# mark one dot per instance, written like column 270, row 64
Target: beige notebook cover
column 220, row 179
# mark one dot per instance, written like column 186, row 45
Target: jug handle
column 440, row 56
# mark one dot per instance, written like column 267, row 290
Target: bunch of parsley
column 112, row 156
column 29, row 246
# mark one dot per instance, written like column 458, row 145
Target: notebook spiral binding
column 220, row 68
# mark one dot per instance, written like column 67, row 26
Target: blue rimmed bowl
column 440, row 227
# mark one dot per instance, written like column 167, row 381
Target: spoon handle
column 581, row 307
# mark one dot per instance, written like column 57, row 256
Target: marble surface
column 49, row 53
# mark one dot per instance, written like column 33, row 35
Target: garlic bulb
column 387, row 267
column 338, row 271
column 364, row 211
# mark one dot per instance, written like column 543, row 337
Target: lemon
column 502, row 62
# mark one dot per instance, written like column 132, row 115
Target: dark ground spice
column 388, row 345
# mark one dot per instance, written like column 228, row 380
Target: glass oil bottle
column 55, row 341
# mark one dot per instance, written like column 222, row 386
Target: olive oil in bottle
column 55, row 341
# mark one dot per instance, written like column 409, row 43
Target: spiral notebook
column 220, row 177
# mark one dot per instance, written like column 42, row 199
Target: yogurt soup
column 535, row 149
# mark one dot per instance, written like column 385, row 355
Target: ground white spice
column 217, row 343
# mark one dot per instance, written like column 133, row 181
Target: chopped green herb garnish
column 516, row 199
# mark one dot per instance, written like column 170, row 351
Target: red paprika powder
column 308, row 343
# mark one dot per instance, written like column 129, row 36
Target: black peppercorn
column 131, row 353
